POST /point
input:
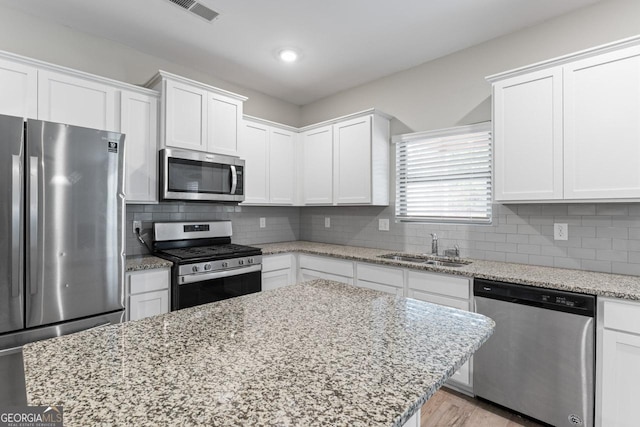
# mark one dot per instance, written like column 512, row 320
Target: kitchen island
column 317, row 353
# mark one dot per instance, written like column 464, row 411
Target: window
column 445, row 175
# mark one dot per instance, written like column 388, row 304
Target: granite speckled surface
column 146, row 262
column 314, row 354
column 610, row 285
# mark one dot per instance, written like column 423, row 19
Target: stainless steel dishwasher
column 540, row 359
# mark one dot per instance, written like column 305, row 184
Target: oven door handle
column 193, row 278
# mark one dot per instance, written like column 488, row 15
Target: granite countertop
column 146, row 262
column 313, row 354
column 604, row 284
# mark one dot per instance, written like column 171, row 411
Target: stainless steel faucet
column 434, row 244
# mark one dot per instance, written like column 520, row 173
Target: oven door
column 192, row 175
column 204, row 288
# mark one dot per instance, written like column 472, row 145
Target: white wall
column 452, row 90
column 35, row 38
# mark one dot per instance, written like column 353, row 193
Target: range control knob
column 241, row 262
column 195, row 268
column 207, row 267
column 225, row 264
column 250, row 260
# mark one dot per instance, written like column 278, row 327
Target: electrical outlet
column 327, row 222
column 560, row 231
column 383, row 224
column 137, row 225
column 263, row 222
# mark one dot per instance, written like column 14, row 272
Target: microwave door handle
column 234, row 179
column 16, row 226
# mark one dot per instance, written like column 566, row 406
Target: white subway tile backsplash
column 581, row 209
column 613, row 232
column 601, row 266
column 596, row 243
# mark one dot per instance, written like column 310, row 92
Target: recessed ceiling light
column 288, row 55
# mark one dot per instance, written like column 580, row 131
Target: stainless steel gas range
column 207, row 267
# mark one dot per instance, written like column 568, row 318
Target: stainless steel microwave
column 197, row 176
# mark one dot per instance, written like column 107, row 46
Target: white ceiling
column 344, row 43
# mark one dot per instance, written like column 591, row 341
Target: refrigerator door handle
column 33, row 226
column 16, row 214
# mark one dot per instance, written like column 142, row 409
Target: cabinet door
column 18, row 90
column 602, row 126
column 224, row 115
column 76, row 101
column 317, row 176
column 620, row 379
column 282, row 167
column 352, row 161
column 275, row 279
column 148, row 304
column 139, row 122
column 528, row 136
column 185, row 113
column 254, row 149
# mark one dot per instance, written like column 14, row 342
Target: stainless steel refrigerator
column 61, row 233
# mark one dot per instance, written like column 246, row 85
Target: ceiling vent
column 197, row 9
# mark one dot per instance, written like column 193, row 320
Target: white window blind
column 444, row 176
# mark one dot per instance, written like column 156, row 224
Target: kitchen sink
column 423, row 259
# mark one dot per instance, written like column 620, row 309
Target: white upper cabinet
column 602, row 126
column 347, row 162
column 18, row 89
column 196, row 116
column 269, row 152
column 317, row 166
column 254, row 149
column 185, row 116
column 569, row 128
column 282, row 166
column 77, row 101
column 352, row 161
column 139, row 122
column 528, row 136
column 224, row 117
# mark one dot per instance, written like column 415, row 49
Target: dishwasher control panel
column 570, row 302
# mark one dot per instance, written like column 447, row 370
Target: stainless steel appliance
column 207, row 267
column 540, row 359
column 193, row 175
column 61, row 236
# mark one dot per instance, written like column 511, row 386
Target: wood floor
column 448, row 408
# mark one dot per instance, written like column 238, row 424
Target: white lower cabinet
column 450, row 291
column 147, row 293
column 617, row 363
column 317, row 267
column 380, row 278
column 278, row 271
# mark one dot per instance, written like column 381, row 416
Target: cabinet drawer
column 622, row 315
column 148, row 280
column 328, row 265
column 276, row 262
column 457, row 287
column 306, row 275
column 439, row 299
column 385, row 275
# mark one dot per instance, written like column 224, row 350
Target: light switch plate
column 383, row 224
column 560, row 231
column 327, row 222
column 263, row 222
